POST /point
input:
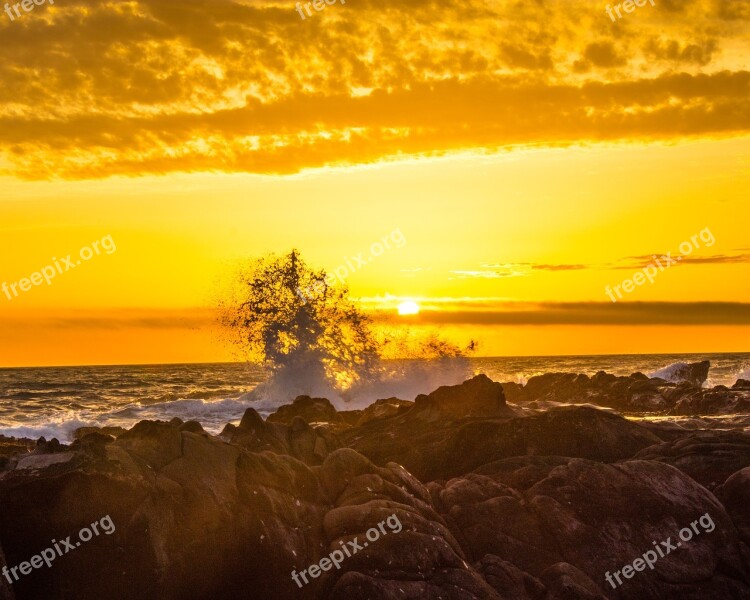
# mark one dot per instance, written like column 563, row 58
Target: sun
column 408, row 308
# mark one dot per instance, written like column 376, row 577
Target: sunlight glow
column 408, row 308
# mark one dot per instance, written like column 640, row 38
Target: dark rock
column 298, row 439
column 712, row 402
column 10, row 446
column 192, row 427
column 597, row 518
column 564, row 581
column 741, row 384
column 735, row 495
column 438, row 450
column 312, row 410
column 113, row 431
column 351, row 417
column 382, row 409
column 509, row 580
column 477, row 397
column 709, row 457
column 693, row 373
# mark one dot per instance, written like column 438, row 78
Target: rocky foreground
column 524, row 500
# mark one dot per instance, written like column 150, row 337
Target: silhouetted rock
column 489, row 505
column 312, row 410
column 694, row 374
column 682, row 395
column 477, row 397
column 298, row 439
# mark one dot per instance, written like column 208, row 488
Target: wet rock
column 383, row 409
column 694, row 374
column 712, row 401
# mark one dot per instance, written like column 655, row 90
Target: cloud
column 111, row 319
column 597, row 313
column 96, row 89
column 638, row 262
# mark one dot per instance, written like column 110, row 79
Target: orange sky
column 529, row 154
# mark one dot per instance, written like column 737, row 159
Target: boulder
column 595, row 518
column 476, row 397
column 709, row 457
column 312, row 410
column 694, row 374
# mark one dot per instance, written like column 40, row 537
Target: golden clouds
column 93, row 89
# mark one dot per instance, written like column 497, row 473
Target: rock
column 741, row 384
column 598, row 518
column 298, row 439
column 10, row 446
column 477, row 397
column 113, row 431
column 709, row 457
column 564, row 581
column 712, row 402
column 694, row 374
column 192, row 427
column 42, row 461
column 509, row 580
column 467, row 500
column 682, row 394
column 734, row 494
column 155, row 443
column 312, row 410
column 383, row 409
column 439, row 450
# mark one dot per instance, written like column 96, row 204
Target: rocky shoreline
column 504, row 491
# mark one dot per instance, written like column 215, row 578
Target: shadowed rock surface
column 491, row 502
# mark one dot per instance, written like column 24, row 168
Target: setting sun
column 408, row 308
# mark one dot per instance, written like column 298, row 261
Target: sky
column 528, row 162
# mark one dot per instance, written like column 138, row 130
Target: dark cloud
column 598, row 313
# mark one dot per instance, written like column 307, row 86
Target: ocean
column 55, row 401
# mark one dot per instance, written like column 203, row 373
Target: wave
column 213, row 415
column 670, row 373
